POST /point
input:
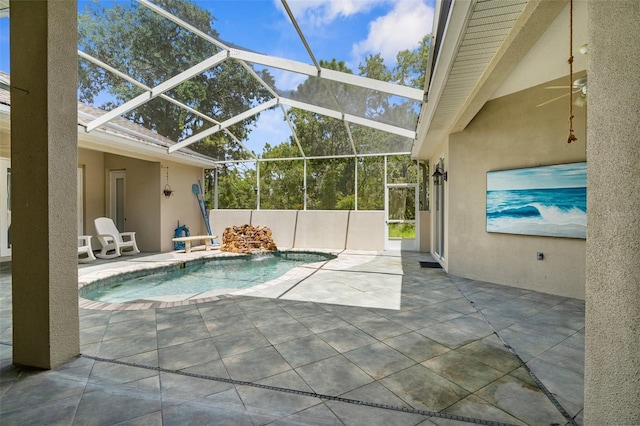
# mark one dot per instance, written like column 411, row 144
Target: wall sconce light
column 439, row 173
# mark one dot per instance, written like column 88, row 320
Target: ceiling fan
column 579, row 86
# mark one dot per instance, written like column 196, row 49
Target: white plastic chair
column 85, row 253
column 112, row 240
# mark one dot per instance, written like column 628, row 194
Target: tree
column 330, row 182
column 151, row 49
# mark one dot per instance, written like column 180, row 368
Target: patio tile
column 477, row 408
column 279, row 333
column 423, row 389
column 564, row 356
column 438, row 313
column 322, row 322
column 463, row 371
column 347, row 338
column 203, row 413
column 166, row 318
column 219, row 309
column 375, row 339
column 528, row 343
column 266, row 405
column 115, row 374
column 382, row 328
column 256, row 365
column 303, row 309
column 227, row 325
column 376, row 393
column 412, row 320
column 253, row 304
column 127, row 346
column 38, row 390
column 305, row 350
column 351, row 414
column 521, row 400
column 318, row 415
column 91, row 334
column 239, row 342
column 183, row 333
column 90, row 319
column 120, row 329
column 560, row 381
column 188, row 354
column 61, row 411
column 189, row 388
column 416, row 346
column 271, row 316
column 379, row 360
column 490, row 351
column 145, row 358
column 333, row 376
column 448, row 334
column 110, row 405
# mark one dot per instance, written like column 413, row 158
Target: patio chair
column 114, row 243
column 85, row 253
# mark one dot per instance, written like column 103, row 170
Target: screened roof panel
column 373, row 141
column 167, row 66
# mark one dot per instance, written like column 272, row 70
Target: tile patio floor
column 421, row 348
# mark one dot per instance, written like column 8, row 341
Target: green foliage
column 151, row 49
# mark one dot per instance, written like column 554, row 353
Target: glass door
column 401, row 206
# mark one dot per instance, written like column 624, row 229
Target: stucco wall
column 182, row 205
column 92, row 163
column 357, row 230
column 281, row 222
column 612, row 348
column 221, row 219
column 364, row 230
column 511, row 132
column 142, row 200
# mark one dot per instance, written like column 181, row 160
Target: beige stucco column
column 44, row 162
column 612, row 355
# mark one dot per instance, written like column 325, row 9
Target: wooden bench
column 187, row 241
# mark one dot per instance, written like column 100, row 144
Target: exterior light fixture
column 439, row 173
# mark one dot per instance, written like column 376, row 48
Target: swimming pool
column 220, row 274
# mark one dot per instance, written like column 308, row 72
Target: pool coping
column 134, row 270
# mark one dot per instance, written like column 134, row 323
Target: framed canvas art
column 546, row 200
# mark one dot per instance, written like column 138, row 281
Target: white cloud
column 320, row 12
column 400, row 29
column 271, row 128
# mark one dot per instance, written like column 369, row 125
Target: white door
column 5, row 207
column 401, row 226
column 117, row 180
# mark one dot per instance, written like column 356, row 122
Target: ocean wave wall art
column 546, row 201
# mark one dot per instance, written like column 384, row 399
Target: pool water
column 223, row 274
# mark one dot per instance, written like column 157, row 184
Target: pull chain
column 572, row 137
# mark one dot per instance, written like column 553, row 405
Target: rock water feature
column 247, row 239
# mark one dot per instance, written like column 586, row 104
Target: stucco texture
column 508, row 133
column 612, row 356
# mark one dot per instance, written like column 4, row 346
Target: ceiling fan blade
column 556, row 98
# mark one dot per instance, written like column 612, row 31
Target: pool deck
column 366, row 338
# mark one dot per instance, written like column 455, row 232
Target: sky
column 347, row 30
